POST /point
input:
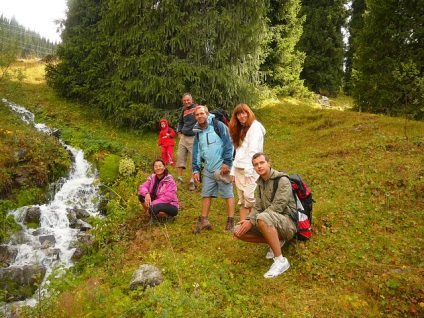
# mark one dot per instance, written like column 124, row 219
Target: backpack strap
column 274, row 188
column 215, row 126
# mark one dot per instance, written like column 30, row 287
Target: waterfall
column 78, row 191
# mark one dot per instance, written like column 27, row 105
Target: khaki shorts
column 285, row 226
column 185, row 147
column 245, row 192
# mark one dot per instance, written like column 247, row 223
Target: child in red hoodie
column 166, row 142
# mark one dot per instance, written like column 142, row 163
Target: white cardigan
column 253, row 142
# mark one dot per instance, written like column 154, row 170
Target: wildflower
column 126, row 167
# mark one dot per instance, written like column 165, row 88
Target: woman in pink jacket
column 158, row 194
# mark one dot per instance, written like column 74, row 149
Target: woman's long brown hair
column 237, row 130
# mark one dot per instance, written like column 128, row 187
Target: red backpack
column 303, row 198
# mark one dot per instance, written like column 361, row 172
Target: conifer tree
column 82, row 54
column 23, row 42
column 356, row 23
column 322, row 41
column 388, row 67
column 151, row 52
column 284, row 63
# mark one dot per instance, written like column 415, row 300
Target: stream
column 51, row 244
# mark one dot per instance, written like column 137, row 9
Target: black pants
column 168, row 208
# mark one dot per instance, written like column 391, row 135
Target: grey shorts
column 211, row 187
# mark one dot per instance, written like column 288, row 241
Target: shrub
column 109, row 170
column 126, row 167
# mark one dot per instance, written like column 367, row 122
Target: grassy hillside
column 365, row 258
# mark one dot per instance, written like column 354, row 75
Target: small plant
column 126, row 167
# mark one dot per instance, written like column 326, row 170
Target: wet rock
column 55, row 132
column 146, row 276
column 47, row 241
column 33, row 215
column 7, row 255
column 72, row 217
column 81, row 214
column 20, row 283
column 79, row 252
column 85, row 238
column 19, row 237
column 77, row 214
column 84, row 226
column 81, row 225
column 53, row 253
column 84, row 241
column 40, row 231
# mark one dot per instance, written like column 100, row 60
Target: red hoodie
column 166, row 134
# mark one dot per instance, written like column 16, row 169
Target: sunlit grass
column 365, row 258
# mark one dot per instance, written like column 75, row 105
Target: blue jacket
column 209, row 148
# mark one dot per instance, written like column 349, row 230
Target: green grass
column 365, row 258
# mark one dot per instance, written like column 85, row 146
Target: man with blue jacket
column 216, row 153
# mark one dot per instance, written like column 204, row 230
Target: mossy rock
column 20, row 283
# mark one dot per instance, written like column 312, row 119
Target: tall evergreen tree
column 322, row 41
column 389, row 59
column 157, row 50
column 82, row 54
column 284, row 63
column 356, row 23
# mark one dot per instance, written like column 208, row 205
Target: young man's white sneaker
column 277, row 268
column 270, row 253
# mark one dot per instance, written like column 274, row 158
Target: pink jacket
column 167, row 190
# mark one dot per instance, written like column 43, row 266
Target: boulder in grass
column 146, row 276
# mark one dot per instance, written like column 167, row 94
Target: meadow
column 365, row 259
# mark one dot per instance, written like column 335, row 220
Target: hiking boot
column 230, row 224
column 270, row 253
column 191, row 186
column 277, row 268
column 202, row 224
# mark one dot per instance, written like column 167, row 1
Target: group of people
column 209, row 145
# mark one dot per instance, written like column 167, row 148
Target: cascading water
column 78, row 192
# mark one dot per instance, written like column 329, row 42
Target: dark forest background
column 132, row 60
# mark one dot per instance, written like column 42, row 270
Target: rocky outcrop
column 21, row 282
column 146, row 276
column 33, row 215
column 7, row 255
column 78, row 219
